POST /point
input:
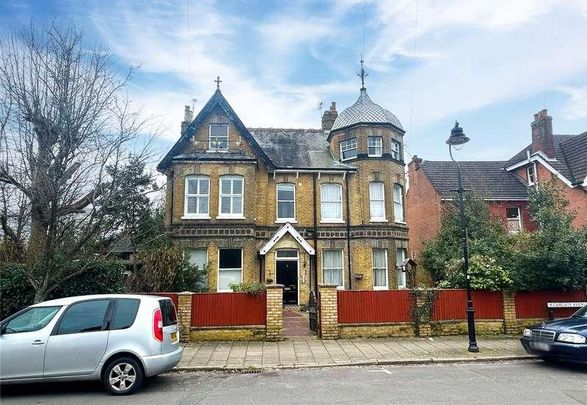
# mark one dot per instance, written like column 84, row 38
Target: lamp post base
column 473, row 348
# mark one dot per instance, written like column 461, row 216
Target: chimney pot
column 329, row 117
column 333, row 106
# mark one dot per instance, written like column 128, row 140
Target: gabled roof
column 297, row 148
column 217, row 100
column 570, row 157
column 287, row 228
column 488, row 179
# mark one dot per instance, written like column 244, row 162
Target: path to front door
column 296, row 324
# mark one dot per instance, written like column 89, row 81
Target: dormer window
column 396, row 149
column 348, row 149
column 375, row 146
column 218, row 137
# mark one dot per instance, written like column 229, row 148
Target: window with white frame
column 330, row 202
column 380, row 269
column 531, row 174
column 348, row 149
column 231, row 196
column 514, row 220
column 398, row 203
column 286, row 201
column 400, row 268
column 230, row 268
column 396, row 149
column 332, row 267
column 199, row 258
column 197, row 196
column 375, row 146
column 377, row 201
column 218, row 137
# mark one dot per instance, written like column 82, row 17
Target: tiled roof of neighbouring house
column 365, row 111
column 488, row 180
column 570, row 156
column 297, row 148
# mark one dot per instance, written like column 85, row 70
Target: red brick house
column 503, row 184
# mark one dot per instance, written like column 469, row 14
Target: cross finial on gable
column 218, row 81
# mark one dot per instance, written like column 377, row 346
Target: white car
column 119, row 339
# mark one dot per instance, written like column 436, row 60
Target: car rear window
column 168, row 312
column 125, row 313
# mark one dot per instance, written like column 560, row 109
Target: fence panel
column 452, row 305
column 532, row 304
column 228, row 309
column 374, row 306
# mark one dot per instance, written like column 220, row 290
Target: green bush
column 249, row 287
column 484, row 274
column 101, row 277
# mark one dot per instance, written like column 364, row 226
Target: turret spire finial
column 362, row 74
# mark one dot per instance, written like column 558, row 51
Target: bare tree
column 67, row 135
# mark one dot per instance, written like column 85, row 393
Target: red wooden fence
column 374, row 306
column 171, row 295
column 228, row 309
column 533, row 304
column 452, row 305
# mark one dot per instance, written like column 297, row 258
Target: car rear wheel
column 123, row 376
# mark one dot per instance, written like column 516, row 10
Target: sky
column 490, row 64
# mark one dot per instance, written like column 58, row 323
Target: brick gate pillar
column 274, row 321
column 510, row 324
column 424, row 328
column 328, row 310
column 184, row 314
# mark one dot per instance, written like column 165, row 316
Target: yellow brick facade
column 259, row 222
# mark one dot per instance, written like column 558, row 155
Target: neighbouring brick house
column 298, row 207
column 503, row 184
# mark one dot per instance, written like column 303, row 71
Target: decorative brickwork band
column 184, row 314
column 509, row 313
column 328, row 310
column 274, row 326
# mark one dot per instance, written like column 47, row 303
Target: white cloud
column 576, row 106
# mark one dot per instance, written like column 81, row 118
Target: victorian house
column 298, row 207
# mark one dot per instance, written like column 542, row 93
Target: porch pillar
column 274, row 321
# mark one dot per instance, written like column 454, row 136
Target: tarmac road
column 517, row 382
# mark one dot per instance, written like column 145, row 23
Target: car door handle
column 38, row 342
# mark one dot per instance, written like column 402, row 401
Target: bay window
column 377, row 201
column 380, row 269
column 375, row 146
column 398, row 203
column 400, row 268
column 348, row 149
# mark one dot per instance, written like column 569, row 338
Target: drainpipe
column 261, row 259
column 348, row 230
column 171, row 215
column 315, row 259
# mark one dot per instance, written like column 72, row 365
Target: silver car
column 119, row 339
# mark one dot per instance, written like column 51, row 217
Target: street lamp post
column 458, row 137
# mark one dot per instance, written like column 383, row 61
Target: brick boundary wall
column 328, row 312
column 274, row 324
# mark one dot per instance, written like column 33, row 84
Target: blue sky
column 490, row 64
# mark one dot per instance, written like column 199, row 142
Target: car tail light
column 158, row 325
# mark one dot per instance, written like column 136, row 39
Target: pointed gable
column 216, row 103
column 287, row 228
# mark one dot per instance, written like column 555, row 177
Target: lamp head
column 457, row 136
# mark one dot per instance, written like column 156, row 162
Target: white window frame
column 396, row 148
column 340, row 287
column 228, row 269
column 231, row 215
column 398, row 214
column 380, row 287
column 344, row 148
column 283, row 220
column 401, row 268
column 372, row 218
column 330, row 220
column 198, row 196
column 378, row 145
column 210, row 146
column 519, row 222
column 533, row 167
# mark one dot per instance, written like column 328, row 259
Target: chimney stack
column 329, row 117
column 542, row 138
column 188, row 116
column 417, row 162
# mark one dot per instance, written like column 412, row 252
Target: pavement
column 310, row 352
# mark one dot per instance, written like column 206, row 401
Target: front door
column 287, row 274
